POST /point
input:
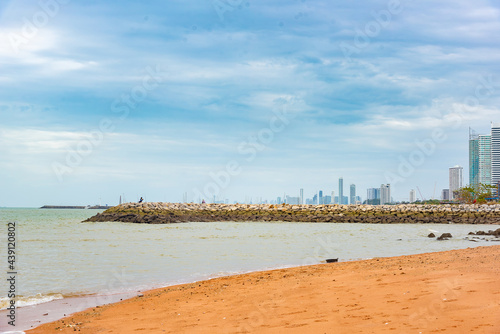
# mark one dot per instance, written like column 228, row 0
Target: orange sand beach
column 451, row 292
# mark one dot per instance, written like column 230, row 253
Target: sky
column 240, row 99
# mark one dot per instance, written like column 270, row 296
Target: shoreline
column 353, row 291
column 33, row 316
column 167, row 213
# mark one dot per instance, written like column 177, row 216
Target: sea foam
column 30, row 300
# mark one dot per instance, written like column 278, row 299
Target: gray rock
column 445, row 236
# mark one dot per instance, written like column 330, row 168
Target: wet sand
column 31, row 316
column 451, row 292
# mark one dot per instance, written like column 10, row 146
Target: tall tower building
column 445, row 194
column 473, row 159
column 372, row 194
column 413, row 196
column 456, row 180
column 480, row 159
column 495, row 153
column 485, row 159
column 352, row 194
column 341, row 190
column 385, row 194
column 301, row 196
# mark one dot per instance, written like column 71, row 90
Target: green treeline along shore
column 166, row 213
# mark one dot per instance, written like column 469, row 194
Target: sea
column 60, row 258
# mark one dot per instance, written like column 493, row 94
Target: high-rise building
column 372, row 193
column 385, row 193
column 445, row 194
column 352, row 194
column 333, row 198
column 341, row 190
column 320, row 197
column 473, row 158
column 485, row 159
column 413, row 196
column 495, row 153
column 481, row 157
column 301, row 196
column 456, row 181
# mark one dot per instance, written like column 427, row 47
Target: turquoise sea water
column 59, row 256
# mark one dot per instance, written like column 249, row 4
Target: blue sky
column 155, row 99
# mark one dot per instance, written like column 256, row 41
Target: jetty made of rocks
column 166, row 213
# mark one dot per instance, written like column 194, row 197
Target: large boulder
column 445, row 236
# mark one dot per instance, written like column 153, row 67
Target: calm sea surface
column 58, row 256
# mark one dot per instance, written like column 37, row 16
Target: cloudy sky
column 240, row 98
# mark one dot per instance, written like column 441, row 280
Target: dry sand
column 452, row 292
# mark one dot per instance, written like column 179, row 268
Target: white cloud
column 22, row 47
column 34, row 141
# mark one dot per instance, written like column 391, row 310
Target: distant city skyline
column 318, row 197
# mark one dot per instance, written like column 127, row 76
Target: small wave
column 30, row 300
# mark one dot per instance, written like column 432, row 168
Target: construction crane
column 422, row 197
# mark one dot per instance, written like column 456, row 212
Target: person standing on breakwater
column 141, row 200
column 203, row 202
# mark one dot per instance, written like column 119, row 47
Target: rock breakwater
column 165, row 213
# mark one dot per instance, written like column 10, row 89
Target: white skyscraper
column 385, row 194
column 495, row 153
column 456, row 180
column 301, row 196
column 413, row 196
